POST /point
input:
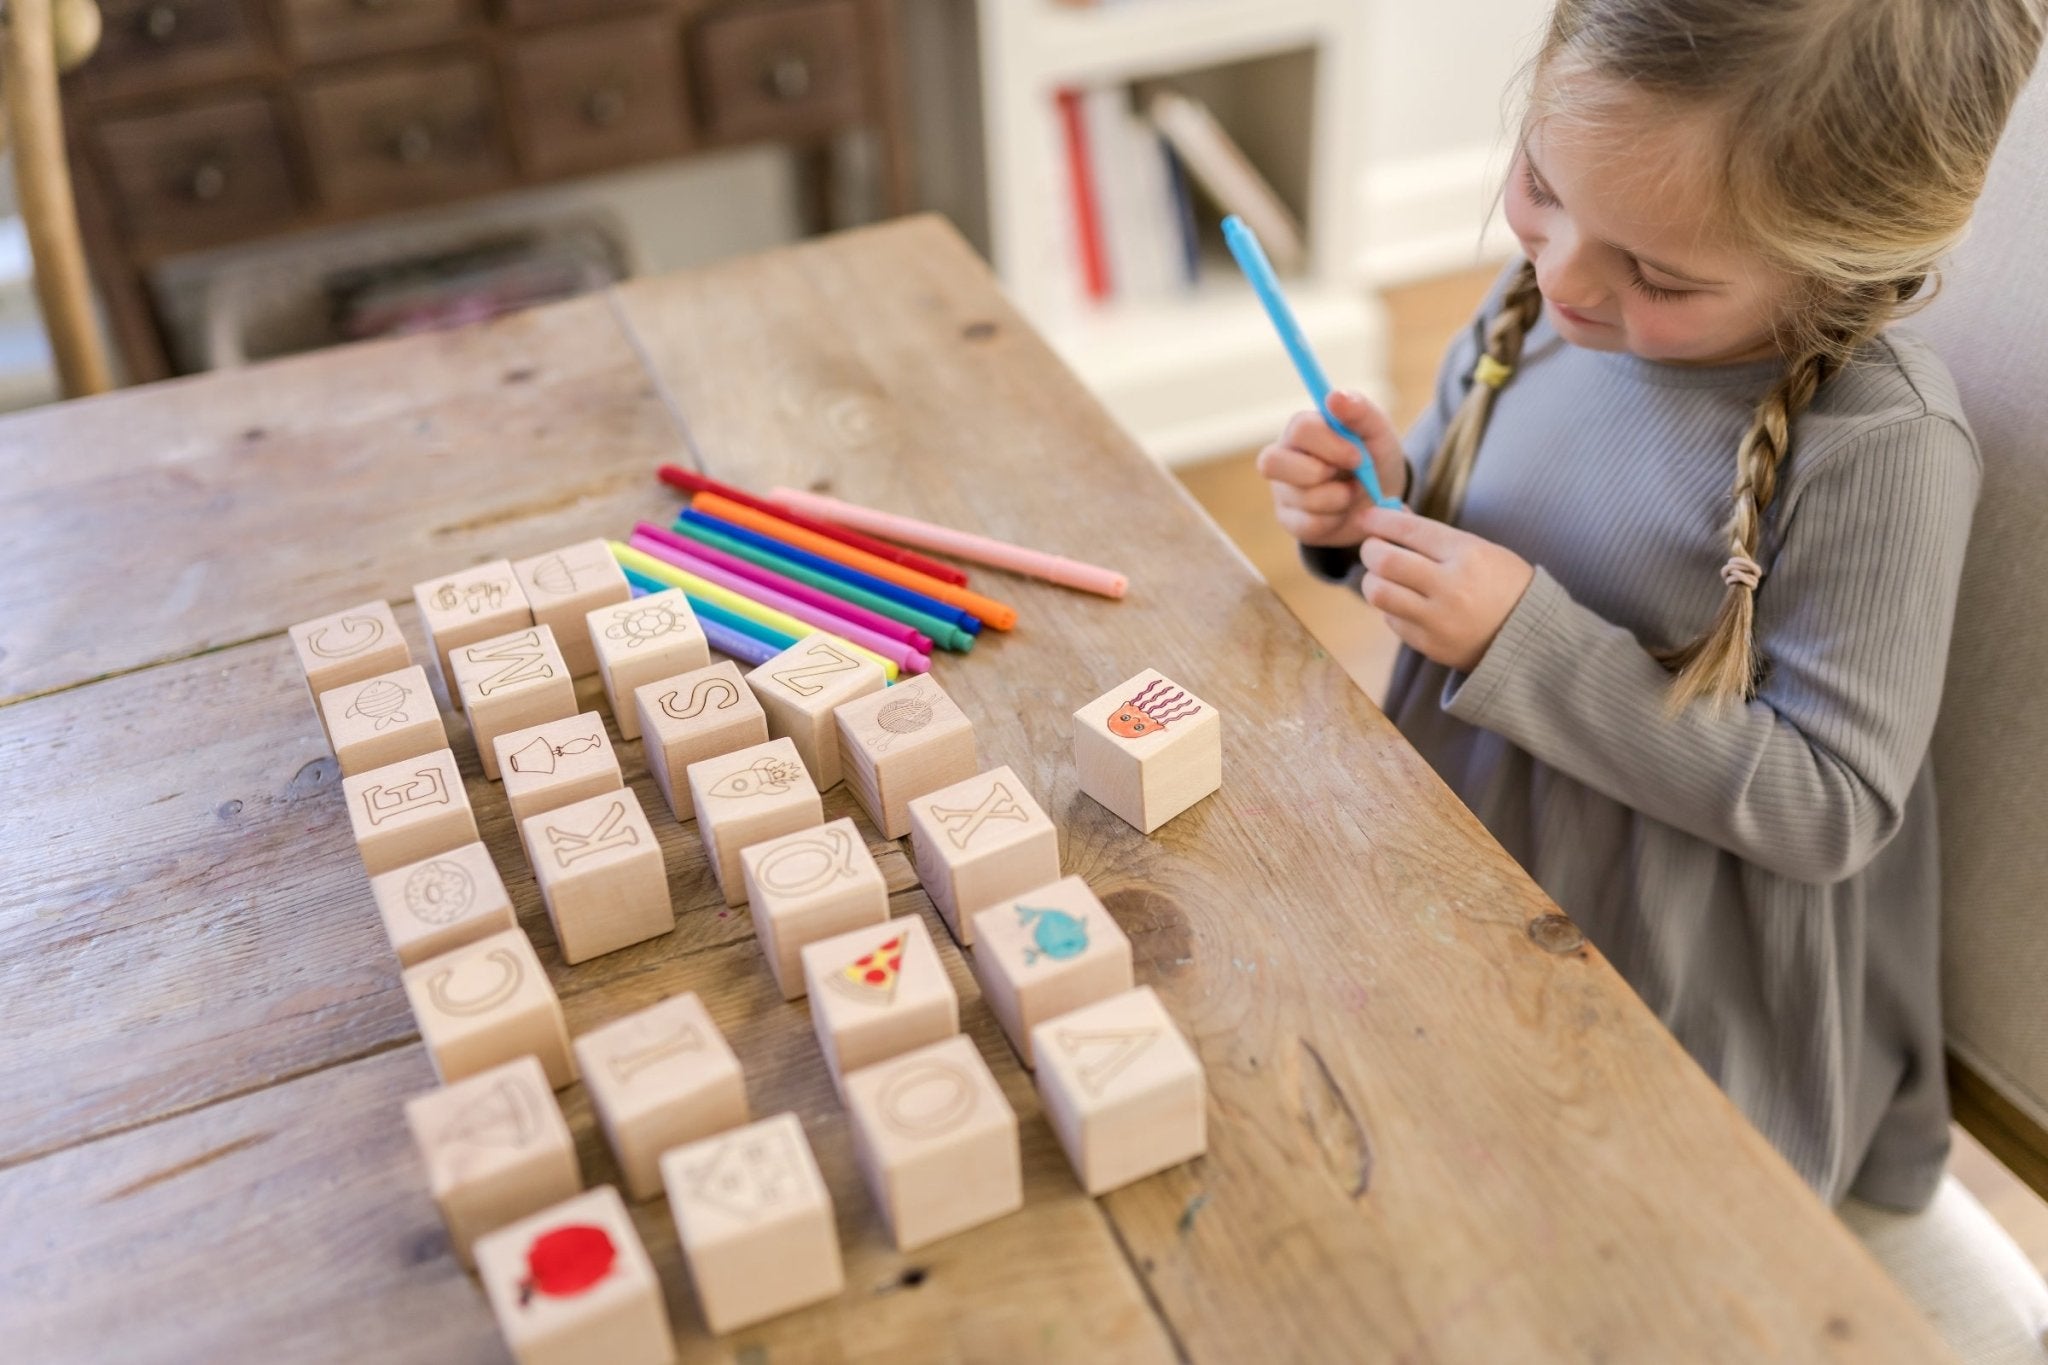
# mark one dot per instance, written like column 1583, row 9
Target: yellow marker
column 664, row 572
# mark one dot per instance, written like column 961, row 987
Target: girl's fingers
column 1308, row 433
column 1399, row 602
column 1297, row 468
column 1325, row 499
column 1398, row 564
column 1428, row 538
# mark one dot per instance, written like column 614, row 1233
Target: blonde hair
column 1854, row 138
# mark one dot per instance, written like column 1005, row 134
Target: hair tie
column 1491, row 372
column 1742, row 572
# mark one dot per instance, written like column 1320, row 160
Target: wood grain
column 1441, row 1126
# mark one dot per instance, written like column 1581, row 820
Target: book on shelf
column 1130, row 181
column 1226, row 175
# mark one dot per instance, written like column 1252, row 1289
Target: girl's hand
column 1445, row 592
column 1316, row 494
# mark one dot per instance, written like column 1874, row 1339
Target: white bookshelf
column 1202, row 374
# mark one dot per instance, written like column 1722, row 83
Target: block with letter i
column 1149, row 749
column 659, row 1078
column 496, row 1149
column 348, row 647
column 900, row 744
column 466, row 607
column 511, row 682
column 746, row 796
column 572, row 1285
column 810, row 885
column 440, row 903
column 601, row 874
column 382, row 720
column 486, row 1003
column 799, row 688
column 936, row 1140
column 978, row 842
column 691, row 717
column 642, row 641
column 755, row 1221
column 877, row 992
column 1122, row 1089
column 1046, row 953
column 563, row 587
column 409, row 810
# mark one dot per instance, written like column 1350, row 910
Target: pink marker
column 898, row 653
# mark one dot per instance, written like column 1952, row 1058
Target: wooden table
column 1441, row 1127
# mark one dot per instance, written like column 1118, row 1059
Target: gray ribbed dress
column 1766, row 878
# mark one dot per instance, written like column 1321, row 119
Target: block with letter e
column 409, row 810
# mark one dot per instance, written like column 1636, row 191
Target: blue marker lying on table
column 1251, row 258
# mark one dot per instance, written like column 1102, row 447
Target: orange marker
column 992, row 612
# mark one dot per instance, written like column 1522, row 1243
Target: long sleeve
column 1810, row 779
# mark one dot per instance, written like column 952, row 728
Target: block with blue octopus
column 1047, row 953
column 1148, row 749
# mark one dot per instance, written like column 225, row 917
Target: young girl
column 1700, row 719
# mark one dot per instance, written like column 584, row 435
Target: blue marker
column 1251, row 258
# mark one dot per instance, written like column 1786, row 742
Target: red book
column 1087, row 214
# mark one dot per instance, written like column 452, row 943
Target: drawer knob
column 786, row 76
column 414, row 144
column 604, row 106
column 208, row 181
column 160, row 22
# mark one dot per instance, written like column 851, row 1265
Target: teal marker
column 1251, row 258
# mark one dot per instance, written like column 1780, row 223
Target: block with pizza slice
column 878, row 992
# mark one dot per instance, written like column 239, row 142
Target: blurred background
column 256, row 178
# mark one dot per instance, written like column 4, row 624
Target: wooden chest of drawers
column 200, row 123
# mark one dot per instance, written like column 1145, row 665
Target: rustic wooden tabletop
column 1441, row 1127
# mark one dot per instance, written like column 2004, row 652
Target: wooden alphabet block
column 463, row 608
column 905, row 742
column 643, row 641
column 382, row 720
column 511, row 682
column 1046, row 953
column 800, row 687
column 691, row 717
column 601, row 874
column 572, row 1285
column 936, row 1141
column 745, row 797
column 545, row 767
column 978, row 842
column 1122, row 1089
column 876, row 993
column 810, row 885
column 1149, row 749
column 755, row 1221
column 406, row 811
column 488, row 1002
column 348, row 647
column 496, row 1149
column 658, row 1079
column 563, row 587
column 437, row 905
